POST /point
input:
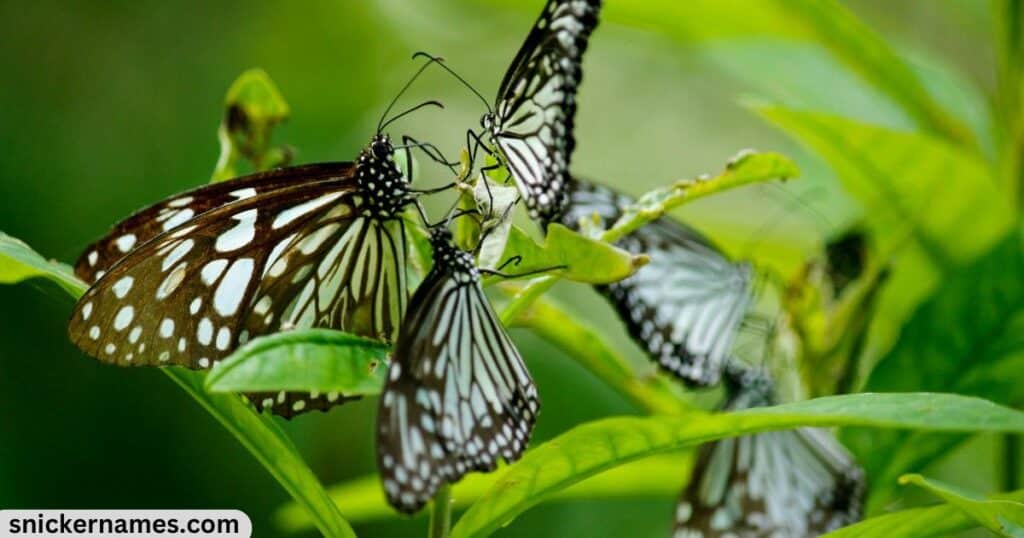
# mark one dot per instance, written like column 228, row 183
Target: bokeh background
column 106, row 106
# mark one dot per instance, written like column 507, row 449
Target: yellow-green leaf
column 578, row 257
column 19, row 262
column 362, row 500
column 598, row 446
column 312, row 360
column 1001, row 516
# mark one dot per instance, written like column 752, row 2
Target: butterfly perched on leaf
column 458, row 395
column 187, row 280
column 532, row 121
column 685, row 306
column 770, row 485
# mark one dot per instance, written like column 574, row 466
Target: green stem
column 588, row 347
column 1009, row 19
column 441, row 513
column 1011, row 462
column 525, row 297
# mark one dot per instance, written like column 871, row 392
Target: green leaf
column 271, row 447
column 825, row 22
column 362, row 500
column 258, row 434
column 253, row 107
column 1003, row 517
column 605, row 444
column 584, row 259
column 589, row 347
column 968, row 338
column 747, row 167
column 928, row 206
column 19, row 262
column 944, row 520
column 907, row 183
column 319, row 360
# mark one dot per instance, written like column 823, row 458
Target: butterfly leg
column 495, row 272
column 430, row 150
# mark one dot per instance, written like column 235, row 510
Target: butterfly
column 187, row 280
column 685, row 306
column 458, row 395
column 531, row 123
column 771, row 485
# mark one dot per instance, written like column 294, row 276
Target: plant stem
column 441, row 513
column 1008, row 16
column 525, row 297
column 1011, row 462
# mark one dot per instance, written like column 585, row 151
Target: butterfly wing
column 147, row 223
column 458, row 394
column 685, row 306
column 193, row 293
column 785, row 483
column 536, row 103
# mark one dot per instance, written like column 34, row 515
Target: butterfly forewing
column 685, row 306
column 777, row 484
column 458, row 394
column 154, row 220
column 290, row 252
column 536, row 105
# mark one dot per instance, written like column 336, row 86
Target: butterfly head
column 489, row 122
column 382, row 184
column 447, row 256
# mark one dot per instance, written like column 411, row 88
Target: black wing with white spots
column 771, row 485
column 458, row 394
column 532, row 124
column 326, row 253
column 156, row 219
column 685, row 306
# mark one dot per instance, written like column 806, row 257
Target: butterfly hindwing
column 777, row 484
column 685, row 306
column 532, row 124
column 458, row 394
column 156, row 219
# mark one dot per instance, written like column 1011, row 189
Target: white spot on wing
column 180, row 217
column 123, row 318
column 167, row 327
column 212, row 270
column 177, row 253
column 293, row 213
column 125, row 242
column 232, row 289
column 242, row 194
column 121, row 287
column 241, row 234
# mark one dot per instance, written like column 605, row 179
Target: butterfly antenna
column 440, row 61
column 399, row 116
column 776, row 219
column 381, row 124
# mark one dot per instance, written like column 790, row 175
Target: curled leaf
column 575, row 256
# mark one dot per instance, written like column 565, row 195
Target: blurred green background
column 108, row 106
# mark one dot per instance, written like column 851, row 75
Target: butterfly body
column 685, row 307
column 778, row 484
column 458, row 395
column 532, row 121
column 301, row 247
